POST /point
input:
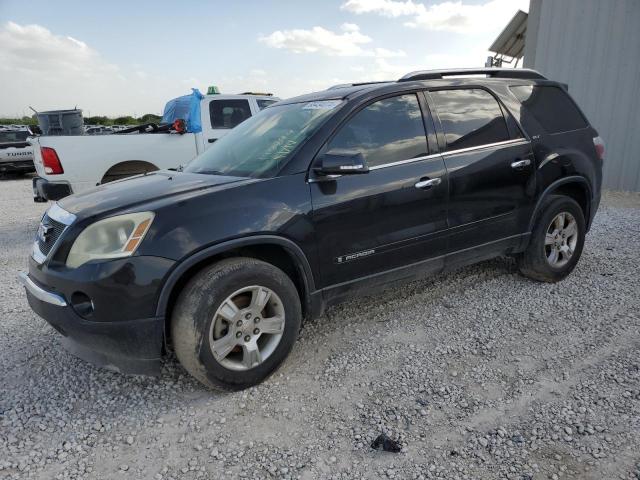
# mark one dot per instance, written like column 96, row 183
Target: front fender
column 183, row 267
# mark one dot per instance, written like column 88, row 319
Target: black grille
column 48, row 234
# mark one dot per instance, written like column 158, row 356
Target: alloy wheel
column 247, row 328
column 561, row 239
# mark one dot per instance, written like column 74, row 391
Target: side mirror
column 341, row 162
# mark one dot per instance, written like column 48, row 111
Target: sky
column 129, row 58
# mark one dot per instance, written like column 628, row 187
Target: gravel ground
column 478, row 374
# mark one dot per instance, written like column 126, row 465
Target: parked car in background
column 320, row 197
column 16, row 153
column 72, row 164
column 98, row 130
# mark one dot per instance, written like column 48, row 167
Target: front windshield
column 261, row 145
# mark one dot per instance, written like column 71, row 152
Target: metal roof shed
column 510, row 43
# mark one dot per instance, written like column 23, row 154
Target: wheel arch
column 139, row 166
column 278, row 251
column 576, row 187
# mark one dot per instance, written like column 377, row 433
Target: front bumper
column 17, row 166
column 133, row 346
column 105, row 312
column 44, row 190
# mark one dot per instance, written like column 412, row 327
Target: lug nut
column 238, row 334
column 247, row 338
column 239, row 323
column 256, row 320
column 256, row 331
column 248, row 316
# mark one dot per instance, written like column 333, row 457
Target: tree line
column 95, row 120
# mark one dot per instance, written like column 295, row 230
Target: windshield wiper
column 211, row 172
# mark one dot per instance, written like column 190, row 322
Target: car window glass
column 13, row 136
column 228, row 113
column 551, row 106
column 260, row 146
column 469, row 118
column 265, row 103
column 386, row 131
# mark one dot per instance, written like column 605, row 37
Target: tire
column 537, row 261
column 204, row 323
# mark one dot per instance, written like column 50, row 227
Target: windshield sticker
column 322, row 105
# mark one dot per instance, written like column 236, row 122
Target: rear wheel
column 235, row 322
column 127, row 169
column 556, row 241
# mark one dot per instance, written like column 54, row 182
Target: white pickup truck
column 16, row 154
column 71, row 164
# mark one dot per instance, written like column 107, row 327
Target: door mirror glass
column 342, row 162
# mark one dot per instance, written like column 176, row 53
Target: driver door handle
column 428, row 183
column 521, row 163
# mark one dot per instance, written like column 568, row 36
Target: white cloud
column 469, row 59
column 49, row 71
column 350, row 27
column 453, row 16
column 386, row 53
column 318, row 39
column 349, row 43
column 384, row 70
column 388, row 8
column 32, row 48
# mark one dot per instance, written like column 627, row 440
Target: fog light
column 82, row 304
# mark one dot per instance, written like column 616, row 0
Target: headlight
column 113, row 237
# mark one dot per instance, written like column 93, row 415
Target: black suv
column 313, row 199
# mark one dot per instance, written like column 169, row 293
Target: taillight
column 51, row 162
column 599, row 144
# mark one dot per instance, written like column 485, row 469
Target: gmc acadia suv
column 313, row 199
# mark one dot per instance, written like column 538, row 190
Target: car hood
column 132, row 192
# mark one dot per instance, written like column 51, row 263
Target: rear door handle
column 521, row 163
column 211, row 140
column 431, row 182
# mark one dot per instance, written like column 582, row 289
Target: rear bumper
column 44, row 190
column 21, row 166
column 128, row 346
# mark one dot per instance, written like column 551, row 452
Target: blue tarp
column 187, row 108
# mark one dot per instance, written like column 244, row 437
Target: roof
column 337, row 92
column 230, row 96
column 511, row 41
column 438, row 78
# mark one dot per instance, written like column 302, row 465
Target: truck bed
column 85, row 159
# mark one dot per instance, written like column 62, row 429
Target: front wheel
column 556, row 241
column 235, row 322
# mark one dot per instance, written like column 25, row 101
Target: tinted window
column 386, row 131
column 265, row 103
column 228, row 113
column 469, row 118
column 551, row 106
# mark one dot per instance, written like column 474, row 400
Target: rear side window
column 386, row 131
column 551, row 107
column 228, row 113
column 469, row 118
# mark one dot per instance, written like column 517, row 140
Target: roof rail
column 357, row 84
column 489, row 72
column 259, row 94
